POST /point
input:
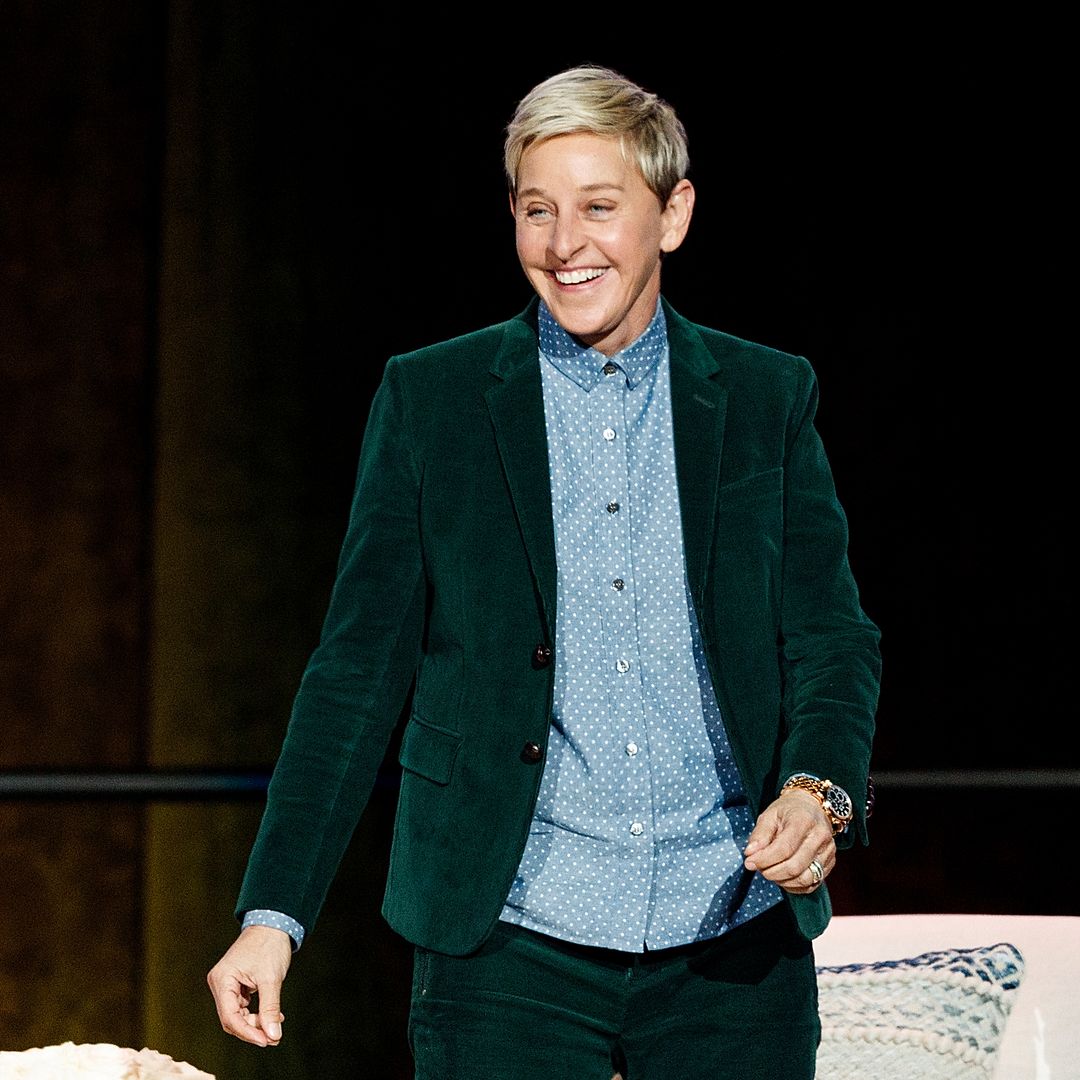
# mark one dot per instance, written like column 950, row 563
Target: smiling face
column 590, row 233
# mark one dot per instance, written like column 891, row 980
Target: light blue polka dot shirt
column 638, row 832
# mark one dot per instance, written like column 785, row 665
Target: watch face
column 839, row 801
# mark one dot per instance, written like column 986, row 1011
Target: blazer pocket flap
column 429, row 751
column 753, row 487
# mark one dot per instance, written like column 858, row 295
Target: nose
column 567, row 237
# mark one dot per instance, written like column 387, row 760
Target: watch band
column 834, row 800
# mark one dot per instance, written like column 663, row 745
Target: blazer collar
column 518, row 348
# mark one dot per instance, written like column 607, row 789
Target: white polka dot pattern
column 276, row 919
column 641, row 819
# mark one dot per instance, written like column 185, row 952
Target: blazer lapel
column 699, row 410
column 516, row 405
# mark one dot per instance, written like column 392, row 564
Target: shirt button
column 631, row 749
column 612, row 507
column 622, row 665
column 609, row 433
column 637, row 829
column 610, row 369
column 618, row 584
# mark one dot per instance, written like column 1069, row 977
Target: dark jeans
column 529, row 1007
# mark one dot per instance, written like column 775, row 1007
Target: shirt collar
column 585, row 365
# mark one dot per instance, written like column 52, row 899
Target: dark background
column 216, row 225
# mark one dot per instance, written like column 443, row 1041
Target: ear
column 513, row 208
column 675, row 217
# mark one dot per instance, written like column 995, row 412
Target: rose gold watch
column 834, row 800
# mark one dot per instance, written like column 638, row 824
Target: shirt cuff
column 276, row 919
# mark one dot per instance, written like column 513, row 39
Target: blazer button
column 542, row 655
column 531, row 753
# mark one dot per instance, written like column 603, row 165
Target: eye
column 537, row 213
column 600, row 209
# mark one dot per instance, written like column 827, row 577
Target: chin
column 586, row 332
column 574, row 322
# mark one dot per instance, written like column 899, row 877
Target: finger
column 759, row 838
column 784, row 846
column 253, row 1019
column 270, row 1016
column 235, row 1018
column 763, row 833
column 802, row 834
column 811, row 878
column 794, row 869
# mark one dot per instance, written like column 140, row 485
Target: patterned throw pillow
column 937, row 1016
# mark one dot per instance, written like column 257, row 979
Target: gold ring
column 817, row 871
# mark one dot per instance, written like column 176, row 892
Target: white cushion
column 937, row 1016
column 1041, row 1040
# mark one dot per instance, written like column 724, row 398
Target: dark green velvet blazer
column 447, row 576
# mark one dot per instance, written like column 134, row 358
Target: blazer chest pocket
column 751, row 489
column 429, row 750
column 750, row 526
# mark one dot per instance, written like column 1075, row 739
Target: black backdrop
column 893, row 221
column 898, row 214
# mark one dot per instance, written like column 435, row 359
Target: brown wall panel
column 346, row 997
column 243, row 562
column 77, row 195
column 78, row 208
column 70, row 906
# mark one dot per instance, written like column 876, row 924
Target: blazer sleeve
column 357, row 680
column 830, row 658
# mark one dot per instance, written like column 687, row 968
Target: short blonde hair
column 603, row 102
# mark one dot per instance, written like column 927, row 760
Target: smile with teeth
column 576, row 277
